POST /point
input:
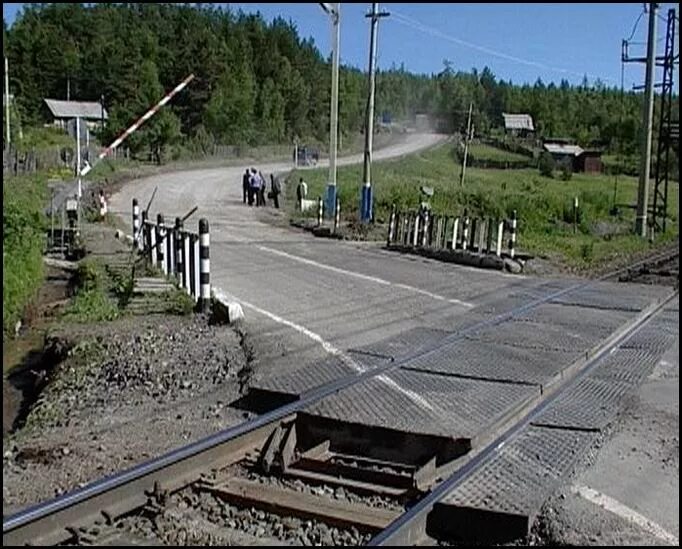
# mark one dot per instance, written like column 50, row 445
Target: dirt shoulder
column 124, row 391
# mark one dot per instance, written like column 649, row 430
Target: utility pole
column 333, row 10
column 366, row 192
column 645, row 164
column 68, row 88
column 78, row 156
column 467, row 137
column 7, row 140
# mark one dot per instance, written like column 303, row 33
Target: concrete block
column 512, row 266
column 225, row 309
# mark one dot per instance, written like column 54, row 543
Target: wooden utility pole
column 467, row 137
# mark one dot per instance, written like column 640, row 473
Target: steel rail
column 401, row 531
column 18, row 525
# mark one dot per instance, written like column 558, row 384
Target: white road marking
column 332, row 350
column 361, row 276
column 625, row 512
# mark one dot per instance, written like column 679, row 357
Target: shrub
column 546, row 165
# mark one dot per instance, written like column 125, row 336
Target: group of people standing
column 254, row 187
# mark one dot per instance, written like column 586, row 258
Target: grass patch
column 481, row 151
column 543, row 205
column 24, row 224
column 178, row 302
column 92, row 302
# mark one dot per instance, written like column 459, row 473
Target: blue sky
column 520, row 42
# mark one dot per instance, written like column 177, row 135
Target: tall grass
column 23, row 224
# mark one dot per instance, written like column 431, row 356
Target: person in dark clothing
column 253, row 186
column 276, row 188
column 261, row 189
column 245, row 185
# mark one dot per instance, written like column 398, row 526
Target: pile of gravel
column 132, row 362
column 202, row 518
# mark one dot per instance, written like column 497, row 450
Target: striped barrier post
column 415, row 229
column 193, row 266
column 481, row 235
column 439, row 230
column 433, row 230
column 205, row 266
column 145, row 239
column 337, row 215
column 146, row 116
column 161, row 243
column 455, row 227
column 137, row 241
column 489, row 241
column 391, row 227
column 428, row 229
column 152, row 240
column 177, row 239
column 424, row 224
column 512, row 240
column 474, row 229
column 170, row 251
column 500, row 236
column 320, row 211
column 465, row 231
column 186, row 261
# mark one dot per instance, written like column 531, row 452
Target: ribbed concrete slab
column 426, row 403
column 589, row 323
column 499, row 501
column 630, row 365
column 315, row 375
column 409, row 342
column 531, row 335
column 613, row 296
column 590, row 404
column 496, row 362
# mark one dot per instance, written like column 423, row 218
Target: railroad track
column 343, row 483
column 661, row 268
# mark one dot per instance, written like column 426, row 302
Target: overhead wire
column 417, row 25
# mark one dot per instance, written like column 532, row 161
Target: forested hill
column 260, row 82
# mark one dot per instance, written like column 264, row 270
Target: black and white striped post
column 193, row 278
column 481, row 235
column 186, row 261
column 320, row 211
column 160, row 243
column 205, row 266
column 391, row 227
column 474, row 228
column 415, row 236
column 137, row 241
column 489, row 241
column 465, row 231
column 500, row 235
column 512, row 240
column 145, row 237
column 179, row 250
column 425, row 227
column 337, row 215
column 442, row 228
column 170, row 251
column 455, row 231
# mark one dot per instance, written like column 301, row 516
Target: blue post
column 366, row 203
column 330, row 200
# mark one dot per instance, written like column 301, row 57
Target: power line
column 634, row 27
column 417, row 25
